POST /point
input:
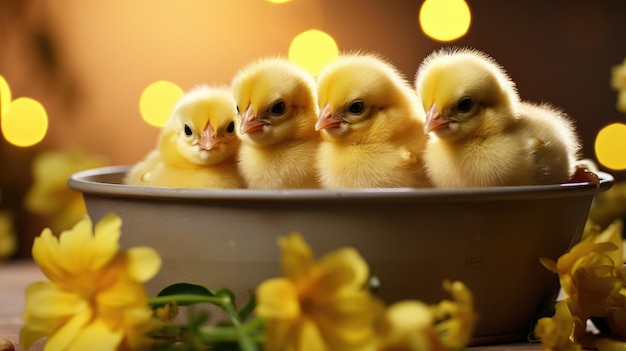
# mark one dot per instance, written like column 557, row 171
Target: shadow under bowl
column 491, row 238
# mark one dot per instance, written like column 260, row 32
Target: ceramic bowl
column 413, row 239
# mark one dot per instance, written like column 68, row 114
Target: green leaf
column 249, row 307
column 186, row 289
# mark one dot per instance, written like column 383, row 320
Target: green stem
column 187, row 300
column 237, row 333
column 254, row 324
column 211, row 335
column 245, row 342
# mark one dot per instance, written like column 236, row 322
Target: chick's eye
column 230, row 127
column 188, row 131
column 278, row 108
column 465, row 104
column 356, row 107
column 238, row 109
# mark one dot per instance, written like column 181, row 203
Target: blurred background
column 87, row 64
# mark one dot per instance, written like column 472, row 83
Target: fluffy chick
column 277, row 109
column 371, row 125
column 197, row 147
column 481, row 133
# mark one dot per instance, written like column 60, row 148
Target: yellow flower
column 49, row 195
column 95, row 294
column 415, row 326
column 618, row 82
column 592, row 278
column 580, row 320
column 617, row 320
column 591, row 272
column 409, row 326
column 167, row 312
column 613, row 234
column 321, row 305
column 457, row 318
column 8, row 238
column 595, row 284
column 556, row 333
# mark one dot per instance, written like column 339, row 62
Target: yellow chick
column 481, row 133
column 277, row 109
column 197, row 147
column 371, row 125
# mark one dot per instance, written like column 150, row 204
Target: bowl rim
column 87, row 182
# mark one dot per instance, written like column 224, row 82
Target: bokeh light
column 25, row 122
column 157, row 102
column 445, row 20
column 5, row 95
column 278, row 1
column 610, row 146
column 312, row 50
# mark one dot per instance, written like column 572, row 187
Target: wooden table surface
column 15, row 276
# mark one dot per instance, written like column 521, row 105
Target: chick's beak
column 249, row 122
column 326, row 119
column 208, row 139
column 434, row 120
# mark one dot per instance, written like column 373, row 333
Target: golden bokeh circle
column 312, row 50
column 5, row 95
column 445, row 20
column 25, row 122
column 610, row 146
column 157, row 102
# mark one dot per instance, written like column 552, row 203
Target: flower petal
column 121, row 295
column 46, row 308
column 45, row 252
column 459, row 318
column 613, row 234
column 408, row 325
column 347, row 320
column 45, row 300
column 138, row 322
column 63, row 338
column 297, row 258
column 277, row 303
column 50, row 195
column 76, row 247
column 107, row 235
column 28, row 337
column 97, row 337
column 143, row 263
column 555, row 332
column 340, row 269
column 277, row 298
column 310, row 339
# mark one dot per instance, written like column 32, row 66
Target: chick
column 197, row 147
column 371, row 125
column 481, row 133
column 276, row 123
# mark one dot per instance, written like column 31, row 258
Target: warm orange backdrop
column 99, row 55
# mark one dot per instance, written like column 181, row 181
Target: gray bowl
column 413, row 239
